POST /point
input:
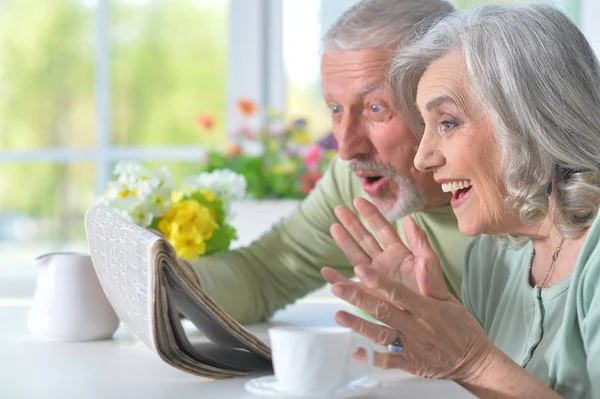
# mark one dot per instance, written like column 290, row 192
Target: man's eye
column 377, row 108
column 336, row 109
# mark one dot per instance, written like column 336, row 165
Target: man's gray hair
column 538, row 79
column 382, row 23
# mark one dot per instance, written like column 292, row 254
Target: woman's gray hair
column 382, row 23
column 538, row 80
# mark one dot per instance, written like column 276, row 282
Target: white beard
column 409, row 198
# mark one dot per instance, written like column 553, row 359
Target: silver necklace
column 551, row 268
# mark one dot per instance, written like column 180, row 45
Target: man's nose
column 429, row 157
column 353, row 138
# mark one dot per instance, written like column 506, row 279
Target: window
column 90, row 82
column 165, row 70
column 304, row 23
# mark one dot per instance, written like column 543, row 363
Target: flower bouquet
column 287, row 165
column 193, row 218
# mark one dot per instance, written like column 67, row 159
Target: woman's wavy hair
column 538, row 80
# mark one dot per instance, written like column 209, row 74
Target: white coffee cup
column 316, row 359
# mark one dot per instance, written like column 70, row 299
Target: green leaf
column 220, row 240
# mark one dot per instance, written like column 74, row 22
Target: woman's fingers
column 386, row 233
column 429, row 274
column 383, row 360
column 333, row 276
column 354, row 253
column 394, row 291
column 376, row 333
column 417, row 239
column 357, row 230
column 376, row 303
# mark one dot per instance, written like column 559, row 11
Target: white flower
column 130, row 169
column 165, row 179
column 138, row 194
column 115, row 190
column 146, row 187
column 141, row 214
column 159, row 201
column 224, row 183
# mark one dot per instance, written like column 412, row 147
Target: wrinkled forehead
column 444, row 81
column 357, row 71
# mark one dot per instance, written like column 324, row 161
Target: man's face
column 379, row 144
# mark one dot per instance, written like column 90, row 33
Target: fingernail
column 338, row 290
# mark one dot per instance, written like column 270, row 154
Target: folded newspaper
column 139, row 274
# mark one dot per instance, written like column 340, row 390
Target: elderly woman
column 507, row 100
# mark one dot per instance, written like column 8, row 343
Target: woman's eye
column 336, row 109
column 377, row 108
column 446, row 126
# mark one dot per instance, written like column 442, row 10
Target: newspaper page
column 121, row 252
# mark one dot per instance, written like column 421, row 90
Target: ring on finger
column 396, row 346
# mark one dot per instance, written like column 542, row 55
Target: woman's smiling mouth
column 460, row 191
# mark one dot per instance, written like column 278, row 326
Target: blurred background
column 86, row 83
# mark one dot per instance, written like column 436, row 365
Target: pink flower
column 309, row 180
column 312, row 157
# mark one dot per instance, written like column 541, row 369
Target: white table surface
column 120, row 368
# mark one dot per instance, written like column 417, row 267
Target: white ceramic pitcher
column 69, row 303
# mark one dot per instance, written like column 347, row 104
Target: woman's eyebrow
column 436, row 102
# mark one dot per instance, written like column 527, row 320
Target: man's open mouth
column 373, row 179
column 374, row 185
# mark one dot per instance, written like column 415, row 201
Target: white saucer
column 267, row 386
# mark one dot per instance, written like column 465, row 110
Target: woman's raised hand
column 391, row 256
column 439, row 337
column 404, row 289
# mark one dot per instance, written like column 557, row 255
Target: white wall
column 590, row 25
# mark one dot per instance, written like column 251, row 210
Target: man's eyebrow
column 363, row 92
column 370, row 88
column 436, row 102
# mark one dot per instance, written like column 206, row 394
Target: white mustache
column 373, row 167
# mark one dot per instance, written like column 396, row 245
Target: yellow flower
column 188, row 246
column 126, row 193
column 187, row 226
column 208, row 194
column 301, row 137
column 176, row 196
column 284, row 168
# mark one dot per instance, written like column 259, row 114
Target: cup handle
column 358, row 342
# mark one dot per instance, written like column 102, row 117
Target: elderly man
column 376, row 152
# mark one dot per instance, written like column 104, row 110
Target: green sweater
column 554, row 333
column 284, row 264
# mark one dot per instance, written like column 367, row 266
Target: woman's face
column 460, row 147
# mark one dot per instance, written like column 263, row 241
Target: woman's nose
column 429, row 157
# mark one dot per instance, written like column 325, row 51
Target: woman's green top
column 553, row 333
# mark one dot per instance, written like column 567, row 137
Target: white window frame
column 255, row 70
column 255, row 61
